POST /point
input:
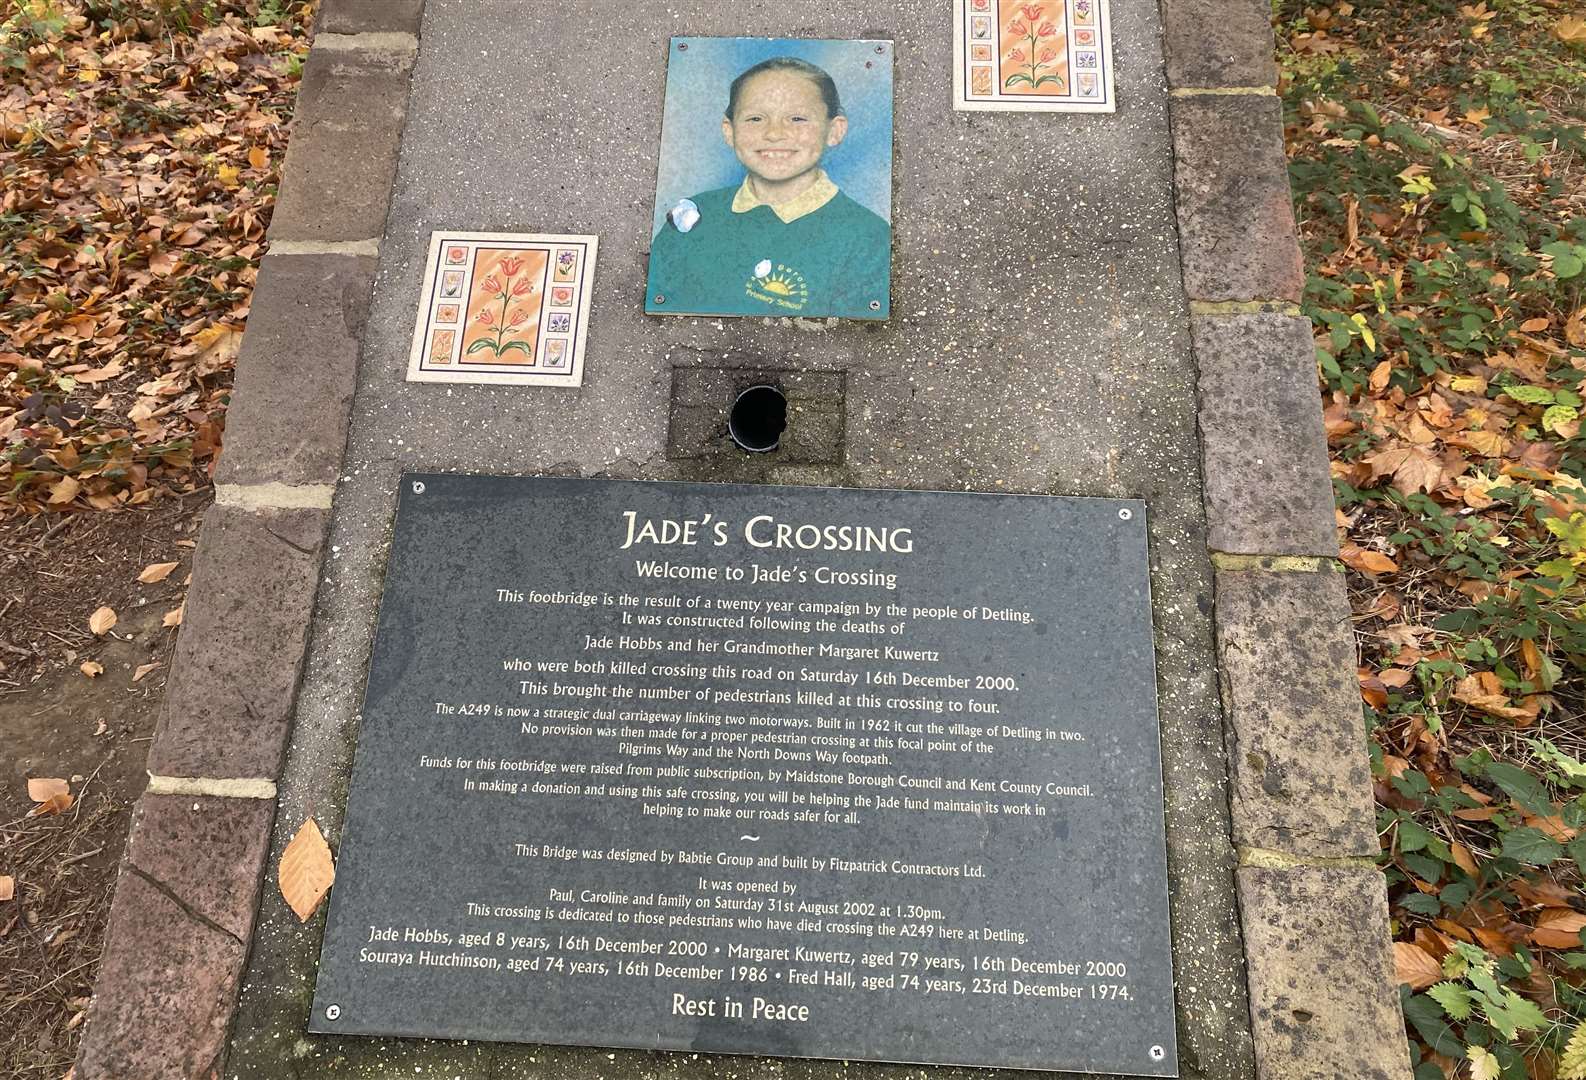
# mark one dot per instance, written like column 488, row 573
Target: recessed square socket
column 702, row 401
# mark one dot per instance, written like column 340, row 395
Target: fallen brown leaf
column 55, row 804
column 1415, row 966
column 143, row 670
column 1558, row 929
column 44, row 788
column 91, row 668
column 101, row 621
column 1575, row 329
column 306, row 870
column 64, row 490
column 8, row 887
column 1366, row 561
column 157, row 572
column 1483, row 692
column 173, row 617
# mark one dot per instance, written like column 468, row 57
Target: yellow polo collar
column 817, row 195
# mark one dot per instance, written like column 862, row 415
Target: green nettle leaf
column 1577, row 851
column 1531, row 846
column 1412, row 837
column 1531, row 395
column 1521, row 786
column 1426, row 1016
column 1421, row 904
column 1483, row 1065
column 1572, row 1062
column 1454, row 999
column 1428, row 870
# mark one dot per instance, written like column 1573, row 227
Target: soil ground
column 55, row 721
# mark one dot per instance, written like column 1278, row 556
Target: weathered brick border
column 1312, row 902
column 187, row 894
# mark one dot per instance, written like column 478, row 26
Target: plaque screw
column 418, row 489
column 659, row 299
column 875, row 305
column 881, row 48
column 1126, row 514
column 333, row 1012
column 1157, row 1053
column 682, row 46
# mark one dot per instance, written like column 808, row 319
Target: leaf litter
column 140, row 145
column 1438, row 159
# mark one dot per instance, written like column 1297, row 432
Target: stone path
column 1071, row 364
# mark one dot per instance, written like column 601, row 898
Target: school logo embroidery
column 780, row 286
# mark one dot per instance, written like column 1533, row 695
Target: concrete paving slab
column 1039, row 343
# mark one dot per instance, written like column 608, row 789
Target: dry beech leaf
column 306, row 871
column 1559, row 929
column 101, row 621
column 1367, row 562
column 157, row 572
column 173, row 617
column 64, row 490
column 1575, row 329
column 1415, row 966
column 44, row 788
column 91, row 668
column 142, row 671
column 55, row 804
column 1484, row 692
column 1535, row 326
column 8, row 887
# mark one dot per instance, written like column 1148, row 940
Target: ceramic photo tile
column 1043, row 56
column 490, row 320
column 774, row 186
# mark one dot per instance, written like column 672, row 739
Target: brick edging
column 1313, row 905
column 187, row 893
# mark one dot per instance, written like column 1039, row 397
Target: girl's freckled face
column 781, row 129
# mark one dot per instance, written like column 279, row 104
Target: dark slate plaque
column 786, row 771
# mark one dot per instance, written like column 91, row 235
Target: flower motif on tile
column 441, row 346
column 555, row 352
column 456, row 256
column 1036, row 46
column 566, row 263
column 452, row 283
column 562, row 296
column 559, row 322
column 1084, row 59
column 980, row 27
column 980, row 81
column 1082, row 11
column 504, row 309
column 446, row 313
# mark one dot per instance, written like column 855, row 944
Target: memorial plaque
column 783, row 771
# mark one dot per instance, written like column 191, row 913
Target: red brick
column 163, row 999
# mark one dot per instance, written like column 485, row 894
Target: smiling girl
column 785, row 241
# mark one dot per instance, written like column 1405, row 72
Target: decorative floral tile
column 1050, row 55
column 489, row 320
